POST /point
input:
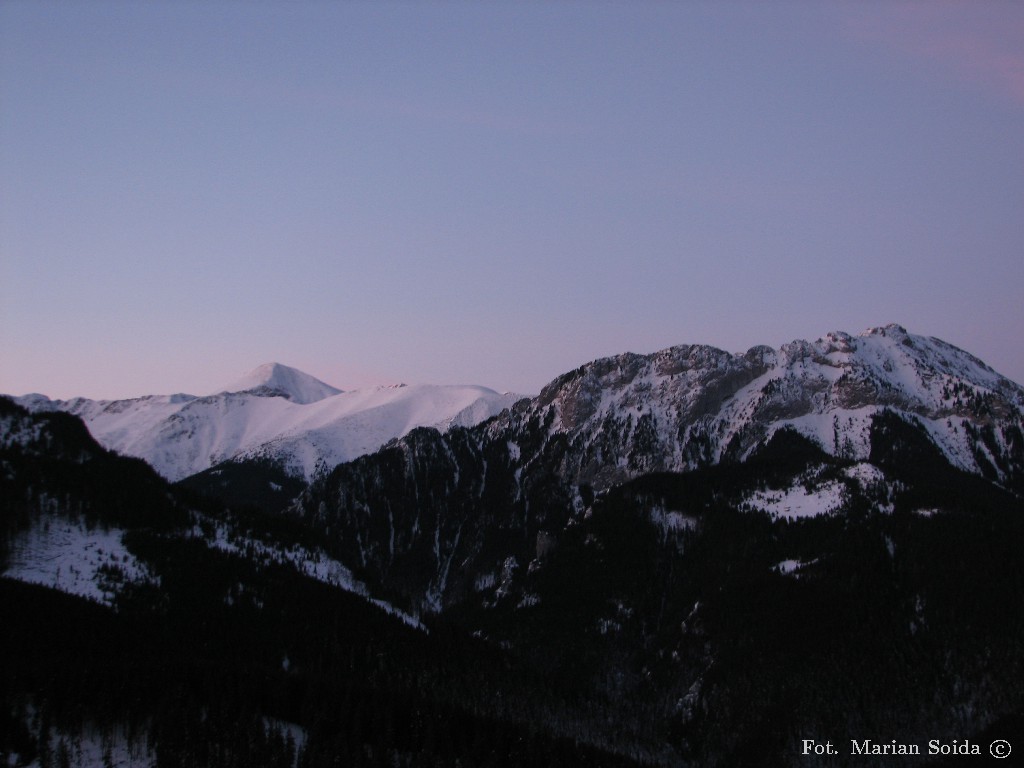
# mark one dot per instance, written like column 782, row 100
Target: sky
column 496, row 193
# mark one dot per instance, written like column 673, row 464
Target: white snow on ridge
column 691, row 402
column 351, row 424
column 314, row 564
column 291, row 383
column 840, row 432
column 282, row 414
column 696, row 403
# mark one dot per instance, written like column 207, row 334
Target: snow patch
column 792, row 567
column 799, row 502
column 89, row 562
column 671, row 521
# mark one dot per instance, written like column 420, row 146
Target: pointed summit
column 274, row 379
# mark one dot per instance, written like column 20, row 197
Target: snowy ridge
column 282, row 414
column 274, row 379
column 690, row 406
column 624, row 416
column 314, row 564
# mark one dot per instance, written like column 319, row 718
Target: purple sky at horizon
column 454, row 192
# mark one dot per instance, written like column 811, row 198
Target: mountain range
column 537, row 466
column 692, row 557
column 275, row 413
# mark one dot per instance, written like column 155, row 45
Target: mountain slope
column 477, row 496
column 716, row 555
column 692, row 406
column 748, row 548
column 280, row 414
column 145, row 626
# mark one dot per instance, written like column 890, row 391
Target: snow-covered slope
column 74, row 558
column 69, row 504
column 274, row 412
column 691, row 406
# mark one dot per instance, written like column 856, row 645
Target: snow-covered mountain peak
column 692, row 405
column 275, row 379
column 277, row 413
column 889, row 329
